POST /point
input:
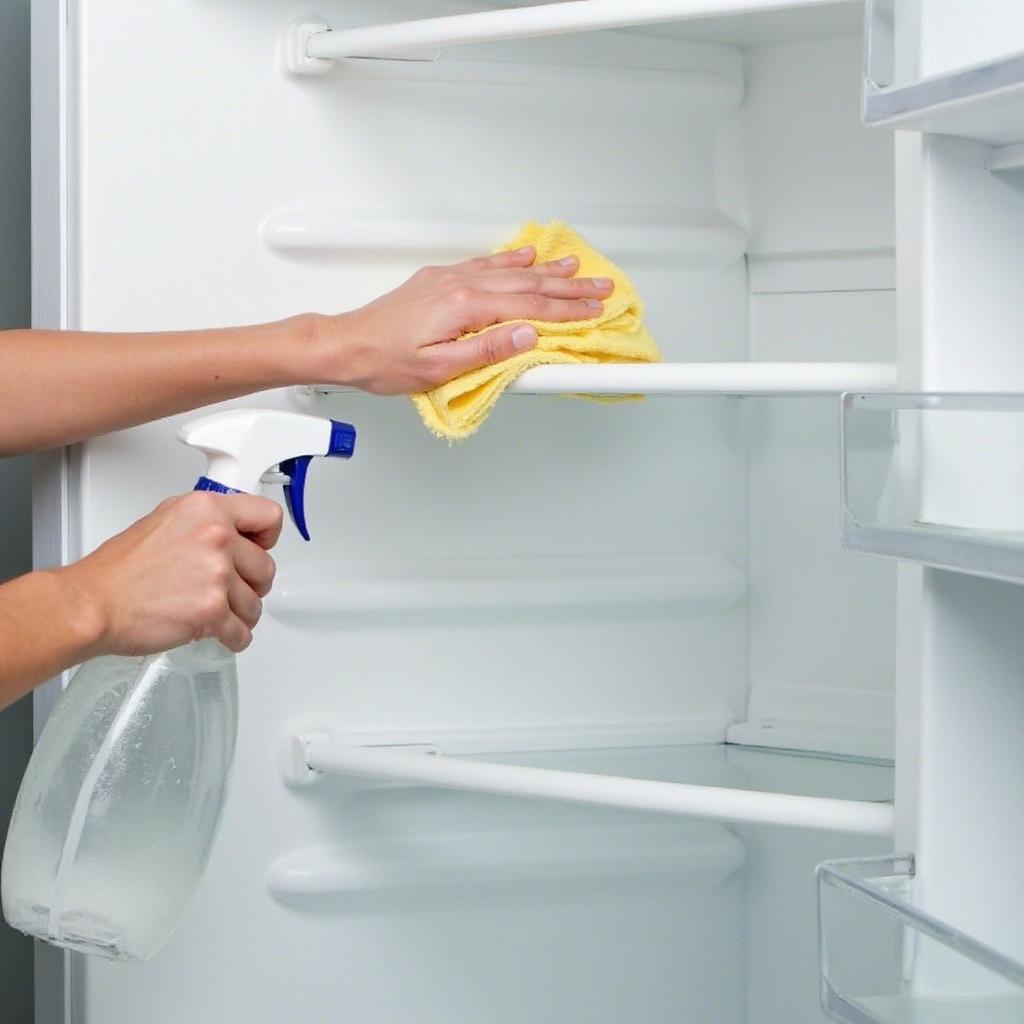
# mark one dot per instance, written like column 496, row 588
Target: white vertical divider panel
column 910, row 242
column 964, row 748
column 971, row 713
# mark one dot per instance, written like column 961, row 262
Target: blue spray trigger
column 295, row 490
column 341, row 446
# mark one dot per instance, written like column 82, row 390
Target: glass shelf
column 982, row 100
column 884, row 961
column 314, row 757
column 936, row 478
column 462, row 841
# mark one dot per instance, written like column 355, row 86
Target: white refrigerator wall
column 173, row 173
column 546, row 479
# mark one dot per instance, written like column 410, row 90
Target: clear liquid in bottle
column 121, row 800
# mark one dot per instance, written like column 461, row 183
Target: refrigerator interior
column 466, row 595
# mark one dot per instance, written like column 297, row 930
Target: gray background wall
column 15, row 521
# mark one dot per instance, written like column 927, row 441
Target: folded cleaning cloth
column 456, row 409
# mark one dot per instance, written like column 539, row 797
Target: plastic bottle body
column 121, row 801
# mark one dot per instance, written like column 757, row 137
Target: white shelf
column 689, row 750
column 630, row 586
column 340, row 875
column 314, row 756
column 458, row 844
column 856, row 270
column 310, row 47
column 689, row 239
column 936, row 478
column 732, row 379
column 852, row 722
column 702, row 92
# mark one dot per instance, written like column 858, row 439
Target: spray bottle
column 122, row 798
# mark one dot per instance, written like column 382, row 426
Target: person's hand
column 195, row 567
column 407, row 341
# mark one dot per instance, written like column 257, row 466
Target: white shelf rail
column 631, row 587
column 360, row 872
column 314, row 46
column 315, row 755
column 734, row 378
column 690, row 239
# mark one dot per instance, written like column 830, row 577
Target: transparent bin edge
column 979, row 99
column 991, row 991
column 922, row 482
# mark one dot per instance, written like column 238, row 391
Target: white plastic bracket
column 295, row 765
column 294, row 42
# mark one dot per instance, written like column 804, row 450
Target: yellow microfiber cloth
column 618, row 335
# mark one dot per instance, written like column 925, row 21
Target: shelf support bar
column 318, row 45
column 319, row 755
column 735, row 379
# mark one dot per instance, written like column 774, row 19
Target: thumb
column 493, row 346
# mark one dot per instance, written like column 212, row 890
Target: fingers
column 451, row 358
column 567, row 266
column 259, row 519
column 251, row 581
column 495, row 309
column 499, row 260
column 522, row 260
column 253, row 565
column 233, row 633
column 532, row 282
column 244, row 602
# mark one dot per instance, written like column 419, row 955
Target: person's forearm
column 46, row 626
column 60, row 387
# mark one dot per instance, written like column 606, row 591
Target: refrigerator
column 701, row 709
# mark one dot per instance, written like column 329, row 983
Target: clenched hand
column 195, row 567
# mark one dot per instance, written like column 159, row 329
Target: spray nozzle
column 243, row 445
